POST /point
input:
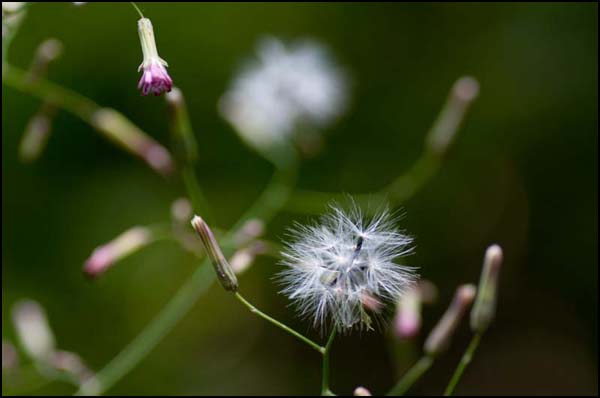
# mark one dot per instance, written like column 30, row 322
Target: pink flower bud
column 123, row 245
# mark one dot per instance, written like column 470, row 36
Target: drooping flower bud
column 155, row 78
column 33, row 330
column 123, row 245
column 213, row 251
column 124, row 133
column 439, row 338
column 463, row 93
column 484, row 309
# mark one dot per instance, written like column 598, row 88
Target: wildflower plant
column 340, row 271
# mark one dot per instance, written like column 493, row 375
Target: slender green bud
column 36, row 134
column 222, row 268
column 185, row 141
column 124, row 133
column 484, row 309
column 441, row 135
column 47, row 52
column 439, row 338
column 33, row 330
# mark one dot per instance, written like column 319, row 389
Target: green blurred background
column 522, row 172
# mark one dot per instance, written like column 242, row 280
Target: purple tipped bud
column 213, row 251
column 484, row 309
column 155, row 78
column 362, row 392
column 123, row 245
column 124, row 133
column 33, row 330
column 407, row 322
column 439, row 338
column 463, row 93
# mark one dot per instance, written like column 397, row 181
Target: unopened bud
column 213, row 251
column 70, row 363
column 10, row 359
column 370, row 302
column 439, row 338
column 181, row 210
column 127, row 135
column 33, row 330
column 249, row 231
column 47, row 52
column 185, row 141
column 464, row 91
column 243, row 258
column 123, row 245
column 407, row 322
column 36, row 134
column 362, row 392
column 484, row 309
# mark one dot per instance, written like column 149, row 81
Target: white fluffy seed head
column 331, row 266
column 284, row 87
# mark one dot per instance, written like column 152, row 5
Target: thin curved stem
column 137, row 9
column 43, row 89
column 325, row 390
column 267, row 205
column 411, row 376
column 280, row 325
column 164, row 322
column 462, row 365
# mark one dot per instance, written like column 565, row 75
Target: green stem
column 280, row 325
column 199, row 201
column 266, row 206
column 166, row 320
column 464, row 361
column 325, row 379
column 137, row 9
column 45, row 90
column 411, row 377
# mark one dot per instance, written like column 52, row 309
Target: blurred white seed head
column 283, row 88
column 122, row 246
column 33, row 330
column 484, row 308
column 249, row 231
column 439, row 338
column 332, row 266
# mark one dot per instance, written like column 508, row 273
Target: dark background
column 522, row 172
